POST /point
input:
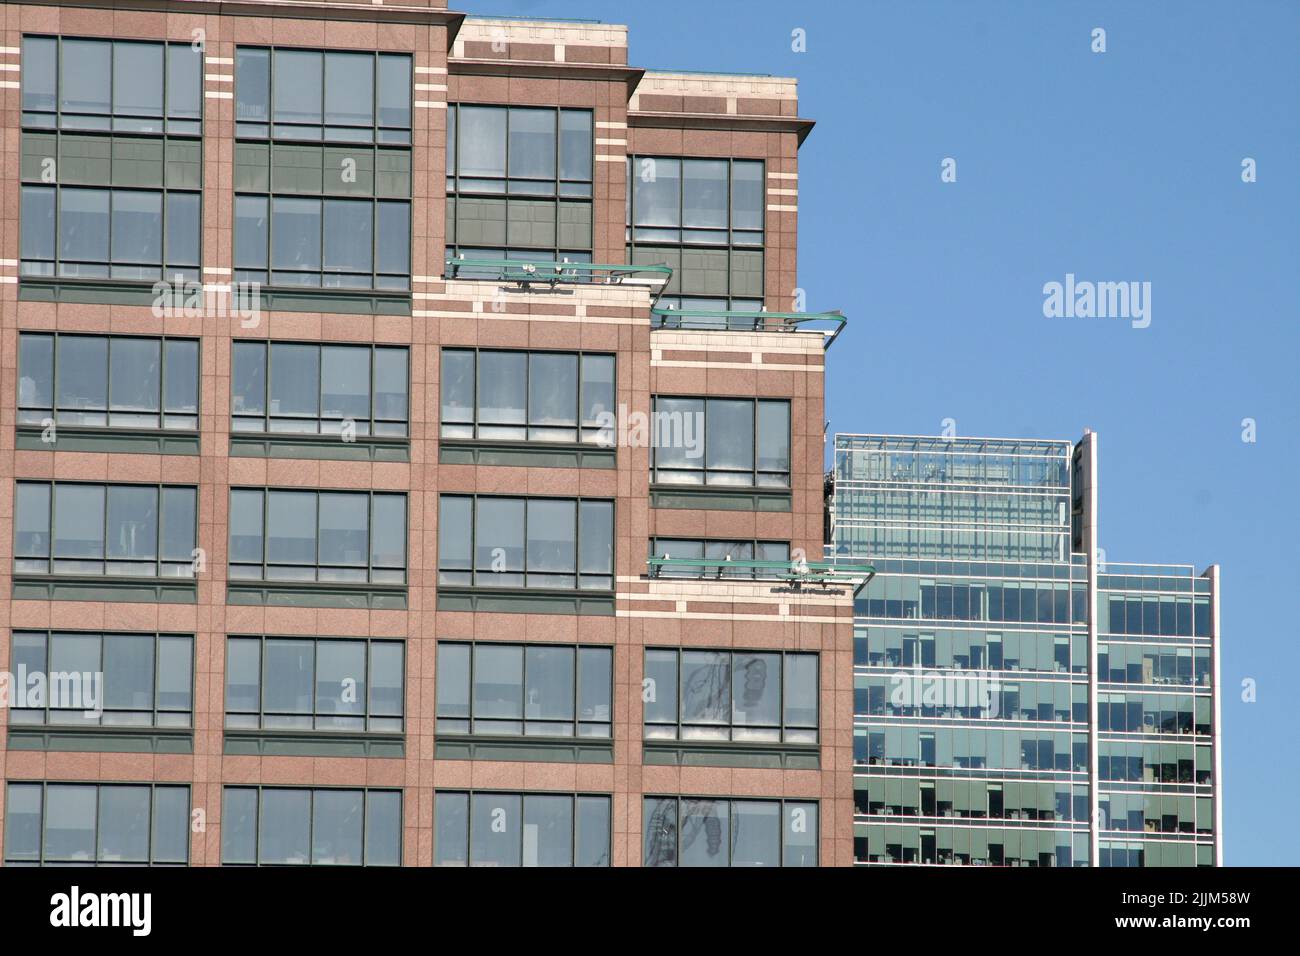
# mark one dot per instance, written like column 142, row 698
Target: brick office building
column 364, row 575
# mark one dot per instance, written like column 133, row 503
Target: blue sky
column 1119, row 166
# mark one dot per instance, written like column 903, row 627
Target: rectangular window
column 520, row 829
column 323, row 169
column 544, row 690
column 519, row 183
column 548, row 543
column 325, row 536
column 282, row 683
column 695, row 831
column 123, row 85
column 90, row 824
column 111, row 161
column 705, row 218
column 688, row 549
column 739, row 696
column 527, row 396
column 113, row 381
column 721, row 441
column 331, row 96
column 325, row 826
column 319, row 389
column 147, row 679
column 69, row 527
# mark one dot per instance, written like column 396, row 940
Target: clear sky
column 1117, row 166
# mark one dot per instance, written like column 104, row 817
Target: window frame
column 485, row 584
column 583, row 433
column 679, row 800
column 457, row 190
column 51, row 412
column 658, row 472
column 153, row 786
column 656, row 551
column 311, row 792
column 80, row 723
column 574, row 796
column 784, row 731
column 367, row 716
column 576, row 721
column 315, row 580
column 268, row 347
column 159, row 561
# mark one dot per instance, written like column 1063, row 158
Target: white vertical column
column 1216, row 693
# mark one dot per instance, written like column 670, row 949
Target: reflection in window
column 548, row 690
column 552, row 543
column 87, row 824
column 513, row 829
column 703, row 217
column 316, row 389
column 327, row 536
column 721, row 441
column 286, row 826
column 121, row 530
column 115, row 381
column 282, row 683
column 690, row 831
column 147, row 679
column 527, row 396
column 519, row 179
column 740, row 696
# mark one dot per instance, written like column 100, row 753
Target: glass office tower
column 980, row 646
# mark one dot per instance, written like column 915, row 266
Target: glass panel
column 175, row 678
column 661, row 687
column 70, row 822
column 395, row 91
column 453, row 680
column 746, row 195
column 575, row 144
column 594, row 677
column 482, row 139
column 388, row 531
column 295, row 382
column 729, row 435
column 552, row 528
column 548, row 830
column 344, row 522
column 337, row 825
column 181, row 375
column 596, row 545
column 291, row 528
column 239, row 825
column 348, row 237
column 137, row 226
column 706, row 833
column 591, row 821
column 86, row 81
column 137, row 81
column 171, row 824
column 801, row 690
column 800, row 834
column 660, row 832
column 657, row 191
column 82, row 366
column 23, row 822
column 756, row 689
column 341, row 677
column 383, row 828
column 532, row 143
column 39, row 61
column 391, row 384
column 252, row 85
column 345, row 382
column 349, row 89
column 182, row 229
column 184, row 82
column 774, row 436
column 499, row 541
column 455, row 520
column 123, row 824
column 37, row 233
column 755, row 833
column 243, row 675
column 451, row 829
column 495, row 830
column 78, row 521
column 706, row 687
column 135, row 374
column 284, row 826
column 498, row 681
column 129, row 672
column 549, row 684
column 393, row 248
column 704, row 193
column 297, row 86
column 35, row 371
column 245, row 526
column 503, row 382
column 83, row 225
column 553, row 389
column 296, row 234
column 290, row 672
column 250, row 232
column 386, row 685
column 458, row 389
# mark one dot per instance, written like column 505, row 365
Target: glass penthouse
column 1018, row 702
